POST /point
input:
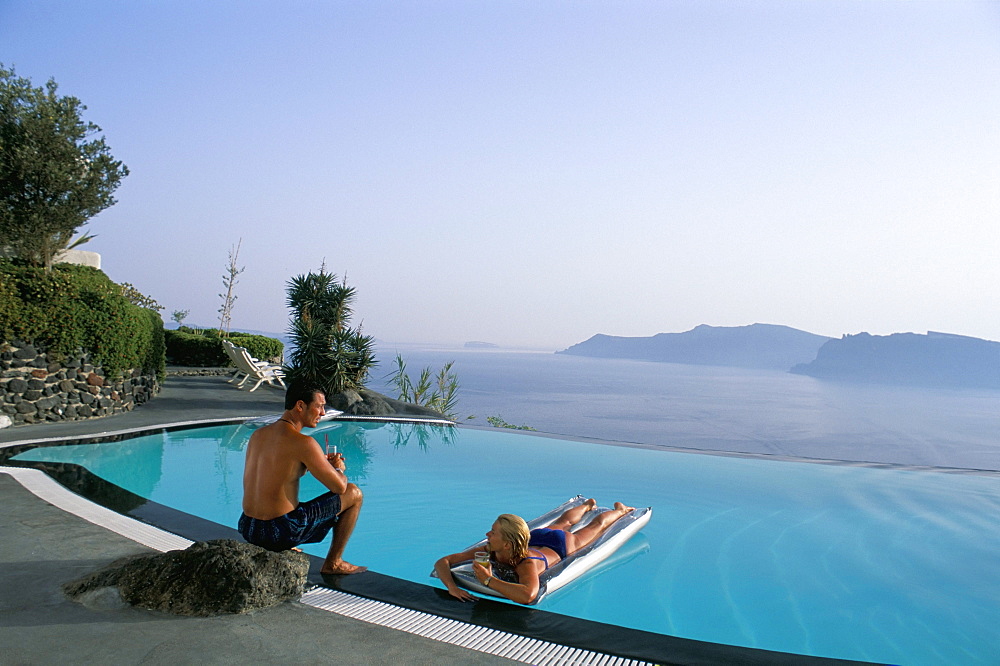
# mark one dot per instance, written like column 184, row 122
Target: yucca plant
column 327, row 353
column 440, row 394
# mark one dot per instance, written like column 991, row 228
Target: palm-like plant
column 440, row 393
column 327, row 353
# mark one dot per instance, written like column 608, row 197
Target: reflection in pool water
column 838, row 561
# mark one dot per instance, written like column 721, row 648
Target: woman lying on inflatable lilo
column 518, row 557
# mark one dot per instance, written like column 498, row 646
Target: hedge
column 259, row 346
column 192, row 349
column 203, row 349
column 72, row 307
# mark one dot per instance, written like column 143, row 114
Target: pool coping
column 776, row 457
column 194, row 423
column 404, row 605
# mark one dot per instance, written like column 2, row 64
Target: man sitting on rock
column 277, row 456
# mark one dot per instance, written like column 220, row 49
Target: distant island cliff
column 761, row 346
column 935, row 359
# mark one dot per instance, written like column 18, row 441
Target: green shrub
column 259, row 346
column 195, row 350
column 498, row 422
column 78, row 307
column 203, row 349
column 156, row 354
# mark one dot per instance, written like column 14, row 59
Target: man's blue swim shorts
column 308, row 523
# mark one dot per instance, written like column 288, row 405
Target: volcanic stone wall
column 36, row 386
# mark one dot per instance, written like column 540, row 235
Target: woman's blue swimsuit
column 543, row 537
column 508, row 573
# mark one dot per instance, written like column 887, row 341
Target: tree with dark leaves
column 54, row 175
column 328, row 352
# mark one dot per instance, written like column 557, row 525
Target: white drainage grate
column 462, row 634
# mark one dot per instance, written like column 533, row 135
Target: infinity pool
column 850, row 562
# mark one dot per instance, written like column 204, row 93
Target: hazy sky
column 533, row 173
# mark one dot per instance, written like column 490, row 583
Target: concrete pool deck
column 42, row 547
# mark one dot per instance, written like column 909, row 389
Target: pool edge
column 141, row 430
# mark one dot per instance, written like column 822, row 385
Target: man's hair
column 303, row 392
column 514, row 530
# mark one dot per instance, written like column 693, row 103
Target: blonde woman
column 519, row 556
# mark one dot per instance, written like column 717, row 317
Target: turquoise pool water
column 837, row 561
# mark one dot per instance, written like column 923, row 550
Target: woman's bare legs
column 572, row 516
column 584, row 536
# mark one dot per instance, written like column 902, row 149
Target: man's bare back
column 276, row 458
column 275, row 461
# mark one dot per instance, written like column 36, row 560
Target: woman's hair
column 514, row 530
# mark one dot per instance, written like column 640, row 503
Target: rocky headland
column 763, row 346
column 934, row 359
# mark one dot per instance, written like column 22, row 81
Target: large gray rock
column 207, row 578
column 369, row 403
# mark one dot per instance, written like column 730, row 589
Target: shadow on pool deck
column 42, row 547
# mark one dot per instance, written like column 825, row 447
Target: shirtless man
column 277, row 457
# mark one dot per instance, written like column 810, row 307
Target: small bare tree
column 179, row 316
column 229, row 281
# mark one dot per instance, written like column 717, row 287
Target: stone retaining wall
column 35, row 388
column 177, row 371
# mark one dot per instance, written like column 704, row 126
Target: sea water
column 716, row 408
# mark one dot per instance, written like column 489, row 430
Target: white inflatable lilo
column 575, row 565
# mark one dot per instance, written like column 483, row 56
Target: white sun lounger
column 254, row 369
column 230, row 350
